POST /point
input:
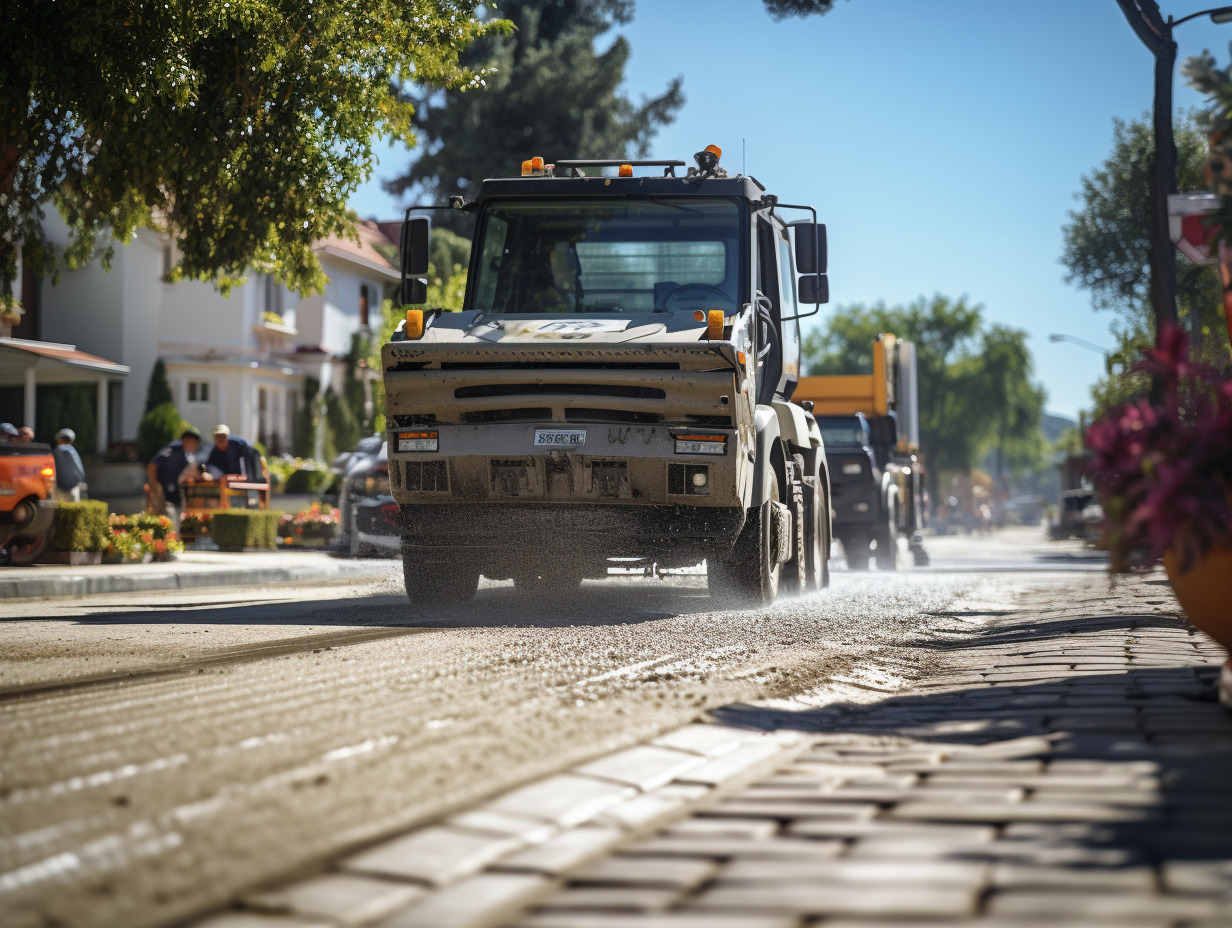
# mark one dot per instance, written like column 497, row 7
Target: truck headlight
column 700, row 444
column 852, row 468
column 417, row 441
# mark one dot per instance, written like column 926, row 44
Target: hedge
column 81, row 526
column 306, row 481
column 245, row 528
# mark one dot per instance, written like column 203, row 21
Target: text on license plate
column 559, row 438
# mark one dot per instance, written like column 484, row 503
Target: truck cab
column 617, row 389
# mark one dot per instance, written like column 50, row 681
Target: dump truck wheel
column 816, row 540
column 794, row 579
column 438, row 584
column 748, row 575
column 855, row 549
column 887, row 546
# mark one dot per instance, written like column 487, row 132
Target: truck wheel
column 855, row 549
column 816, row 539
column 438, row 584
column 794, row 579
column 27, row 548
column 887, row 546
column 748, row 575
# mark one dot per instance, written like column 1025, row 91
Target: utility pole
column 1156, row 34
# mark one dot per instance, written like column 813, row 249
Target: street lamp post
column 1156, row 34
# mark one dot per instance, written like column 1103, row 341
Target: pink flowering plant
column 1163, row 470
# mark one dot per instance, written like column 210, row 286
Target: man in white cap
column 69, row 472
column 234, row 455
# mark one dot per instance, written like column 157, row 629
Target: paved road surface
column 157, row 752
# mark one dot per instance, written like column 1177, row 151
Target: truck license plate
column 559, row 438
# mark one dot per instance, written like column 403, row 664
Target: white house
column 241, row 359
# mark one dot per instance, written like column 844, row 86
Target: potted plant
column 10, row 314
column 1163, row 471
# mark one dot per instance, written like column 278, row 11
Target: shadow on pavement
column 1160, row 727
column 494, row 607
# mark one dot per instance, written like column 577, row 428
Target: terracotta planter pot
column 1205, row 592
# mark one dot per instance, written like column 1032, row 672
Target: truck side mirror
column 883, row 430
column 413, row 251
column 813, row 288
column 811, row 256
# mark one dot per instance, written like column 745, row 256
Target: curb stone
column 86, row 585
column 513, row 850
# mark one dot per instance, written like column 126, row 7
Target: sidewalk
column 191, row 570
column 1056, row 764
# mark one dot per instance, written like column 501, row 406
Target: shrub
column 80, row 526
column 157, row 427
column 245, row 528
column 306, row 481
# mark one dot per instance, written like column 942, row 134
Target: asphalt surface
column 159, row 752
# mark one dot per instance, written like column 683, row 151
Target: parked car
column 370, row 526
column 27, row 475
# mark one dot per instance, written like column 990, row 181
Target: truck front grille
column 559, row 389
column 427, row 477
column 506, row 415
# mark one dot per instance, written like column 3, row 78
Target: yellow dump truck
column 616, row 390
column 870, row 426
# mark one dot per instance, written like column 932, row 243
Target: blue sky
column 941, row 140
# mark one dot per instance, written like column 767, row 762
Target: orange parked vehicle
column 27, row 475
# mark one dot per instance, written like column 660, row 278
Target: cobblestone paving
column 1069, row 767
column 1064, row 764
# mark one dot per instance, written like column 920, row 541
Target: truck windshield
column 608, row 256
column 845, row 430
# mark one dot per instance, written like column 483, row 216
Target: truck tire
column 748, row 575
column 856, row 550
column 794, row 579
column 816, row 539
column 436, row 583
column 887, row 546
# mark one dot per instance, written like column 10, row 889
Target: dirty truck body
column 615, row 392
column 870, row 425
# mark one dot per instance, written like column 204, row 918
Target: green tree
column 240, row 127
column 158, row 391
column 1107, row 248
column 160, row 425
column 549, row 93
column 975, row 390
column 782, row 9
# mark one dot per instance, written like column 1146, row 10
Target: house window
column 363, row 306
column 273, row 295
column 198, row 391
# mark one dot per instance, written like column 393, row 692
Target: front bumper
column 484, row 532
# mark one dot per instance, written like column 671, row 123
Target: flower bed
column 314, row 527
column 142, row 537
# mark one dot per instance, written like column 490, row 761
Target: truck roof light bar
column 573, row 168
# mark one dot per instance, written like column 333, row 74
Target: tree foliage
column 240, row 127
column 158, row 390
column 549, row 93
column 782, row 9
column 1107, row 248
column 975, row 388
